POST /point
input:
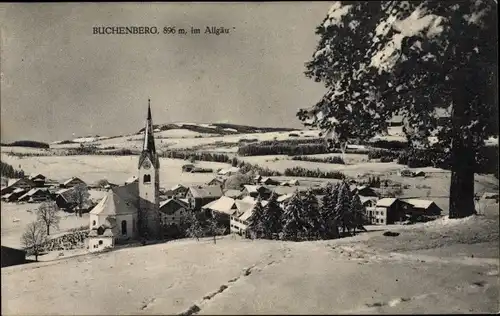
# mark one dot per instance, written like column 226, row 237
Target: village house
column 364, row 190
column 224, row 207
column 172, row 211
column 178, row 191
column 256, row 191
column 283, row 199
column 13, row 184
column 387, row 211
column 289, row 183
column 36, row 195
column 422, row 207
column 216, row 181
column 14, row 195
column 200, row 196
column 257, row 179
column 235, row 194
column 65, row 199
column 229, row 171
column 72, row 182
column 38, row 179
column 239, row 219
column 368, row 201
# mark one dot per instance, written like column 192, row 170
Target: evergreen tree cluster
column 9, row 171
column 333, row 159
column 311, row 173
column 303, row 218
column 203, row 156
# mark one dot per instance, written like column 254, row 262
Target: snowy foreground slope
column 440, row 267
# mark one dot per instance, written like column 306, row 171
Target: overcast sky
column 59, row 79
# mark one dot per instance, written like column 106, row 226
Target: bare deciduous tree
column 48, row 214
column 81, row 197
column 34, row 238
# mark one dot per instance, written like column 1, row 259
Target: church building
column 131, row 211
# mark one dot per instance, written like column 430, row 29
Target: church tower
column 149, row 183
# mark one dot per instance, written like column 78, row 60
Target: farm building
column 13, row 184
column 423, row 207
column 35, row 195
column 283, row 199
column 364, row 191
column 269, row 181
column 257, row 179
column 38, row 179
column 289, row 183
column 64, row 199
column 256, row 191
column 72, row 182
column 188, row 167
column 223, row 205
column 14, row 195
column 228, row 171
column 12, row 256
column 216, row 181
column 387, row 211
column 132, row 179
column 172, row 211
column 199, row 196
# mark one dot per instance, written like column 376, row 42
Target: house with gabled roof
column 200, row 196
column 256, row 191
column 172, row 211
column 38, row 179
column 13, row 184
column 14, row 195
column 35, row 195
column 72, row 182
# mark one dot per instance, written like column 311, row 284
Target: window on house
column 147, row 178
column 93, row 223
column 124, row 227
column 100, row 242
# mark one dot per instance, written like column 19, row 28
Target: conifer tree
column 342, row 208
column 255, row 226
column 327, row 211
column 272, row 224
column 357, row 212
column 312, row 217
column 293, row 226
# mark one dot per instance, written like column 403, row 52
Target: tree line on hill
column 9, row 172
column 304, row 218
column 27, row 143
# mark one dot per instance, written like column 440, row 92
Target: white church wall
column 131, row 228
column 99, row 243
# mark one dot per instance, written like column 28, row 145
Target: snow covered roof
column 72, row 179
column 419, row 203
column 32, row 192
column 36, row 176
column 250, row 188
column 386, row 202
column 18, row 190
column 119, row 200
column 177, row 187
column 229, row 170
column 206, row 192
column 285, row 197
column 365, row 199
column 232, row 193
column 223, row 205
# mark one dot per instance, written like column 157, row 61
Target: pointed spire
column 149, row 109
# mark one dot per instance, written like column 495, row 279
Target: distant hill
column 218, row 128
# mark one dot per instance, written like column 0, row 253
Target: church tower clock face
column 147, row 164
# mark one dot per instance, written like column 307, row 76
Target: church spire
column 148, row 147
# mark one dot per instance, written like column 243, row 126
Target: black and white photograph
column 249, row 158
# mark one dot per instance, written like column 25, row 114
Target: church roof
column 119, row 200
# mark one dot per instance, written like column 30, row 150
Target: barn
column 36, row 195
column 72, row 182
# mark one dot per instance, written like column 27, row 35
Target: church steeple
column 148, row 147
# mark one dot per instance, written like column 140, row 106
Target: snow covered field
column 445, row 268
